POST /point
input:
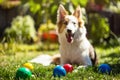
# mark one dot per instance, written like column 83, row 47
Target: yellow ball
column 28, row 65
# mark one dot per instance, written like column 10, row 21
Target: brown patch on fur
column 66, row 20
column 80, row 22
column 56, row 59
column 61, row 27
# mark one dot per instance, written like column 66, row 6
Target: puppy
column 74, row 46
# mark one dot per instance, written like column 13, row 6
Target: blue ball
column 104, row 68
column 59, row 71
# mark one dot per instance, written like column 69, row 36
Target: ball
column 68, row 67
column 59, row 71
column 104, row 68
column 23, row 73
column 28, row 65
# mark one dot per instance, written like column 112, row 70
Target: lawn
column 13, row 56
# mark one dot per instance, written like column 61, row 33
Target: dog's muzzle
column 69, row 36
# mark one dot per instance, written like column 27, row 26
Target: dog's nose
column 69, row 31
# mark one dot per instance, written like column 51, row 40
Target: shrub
column 98, row 28
column 22, row 29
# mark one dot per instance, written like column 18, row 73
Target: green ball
column 23, row 73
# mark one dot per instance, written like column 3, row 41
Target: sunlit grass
column 13, row 56
column 108, row 55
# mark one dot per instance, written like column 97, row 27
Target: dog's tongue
column 69, row 38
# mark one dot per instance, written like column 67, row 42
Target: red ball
column 68, row 67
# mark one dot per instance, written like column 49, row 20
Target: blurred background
column 28, row 29
column 34, row 21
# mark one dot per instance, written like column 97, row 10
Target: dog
column 74, row 45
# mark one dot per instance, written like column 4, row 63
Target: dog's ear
column 61, row 13
column 77, row 13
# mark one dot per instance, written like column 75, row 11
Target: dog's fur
column 74, row 46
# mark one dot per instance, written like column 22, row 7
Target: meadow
column 13, row 56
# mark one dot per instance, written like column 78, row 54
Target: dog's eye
column 65, row 22
column 73, row 22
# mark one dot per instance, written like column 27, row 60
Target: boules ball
column 59, row 71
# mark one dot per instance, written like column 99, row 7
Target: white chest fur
column 75, row 53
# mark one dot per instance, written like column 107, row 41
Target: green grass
column 13, row 56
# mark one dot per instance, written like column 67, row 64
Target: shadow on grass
column 115, row 69
column 112, row 55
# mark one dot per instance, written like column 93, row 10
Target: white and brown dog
column 74, row 46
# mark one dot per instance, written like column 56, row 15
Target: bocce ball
column 59, row 71
column 28, row 65
column 68, row 67
column 23, row 73
column 104, row 68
